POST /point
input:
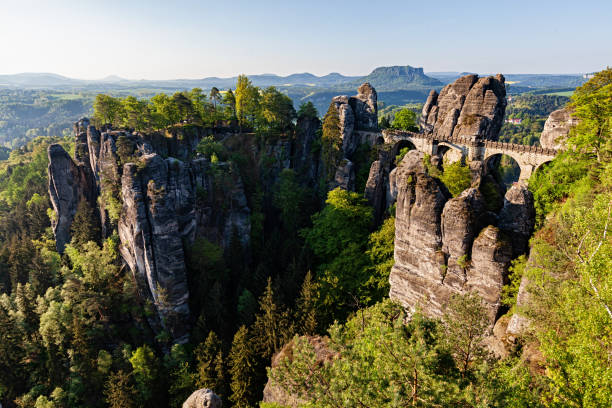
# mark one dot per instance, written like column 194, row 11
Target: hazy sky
column 194, row 39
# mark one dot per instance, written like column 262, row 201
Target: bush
column 456, row 177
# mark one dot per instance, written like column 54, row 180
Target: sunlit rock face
column 470, row 107
column 447, row 245
column 557, row 128
column 158, row 205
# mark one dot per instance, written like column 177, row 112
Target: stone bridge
column 529, row 158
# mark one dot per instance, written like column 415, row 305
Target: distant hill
column 399, row 78
column 113, row 82
column 37, row 80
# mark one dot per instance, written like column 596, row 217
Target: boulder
column 557, row 128
column 203, row 398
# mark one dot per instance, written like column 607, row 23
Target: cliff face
column 449, row 245
column 159, row 196
column 557, row 128
column 157, row 203
column 470, row 107
column 356, row 114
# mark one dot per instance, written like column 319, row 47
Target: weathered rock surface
column 355, row 114
column 482, row 114
column 447, row 245
column 274, row 392
column 157, row 205
column 461, row 221
column 65, row 192
column 557, row 128
column 427, row 121
column 517, row 217
column 305, row 160
column 344, row 177
column 365, row 107
column 519, row 323
column 491, row 256
column 470, row 107
column 203, row 398
column 375, row 191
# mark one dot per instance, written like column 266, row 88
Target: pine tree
column 331, row 141
column 271, row 328
column 119, row 391
column 242, row 369
column 211, row 369
column 85, row 226
column 306, row 306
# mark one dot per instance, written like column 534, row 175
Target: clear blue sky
column 194, row 39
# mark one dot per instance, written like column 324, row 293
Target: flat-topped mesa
column 470, row 107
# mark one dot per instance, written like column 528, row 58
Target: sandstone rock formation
column 557, row 128
column 157, row 205
column 470, row 107
column 65, row 191
column 518, row 217
column 203, row 398
column 70, row 181
column 356, row 114
column 304, row 159
column 447, row 245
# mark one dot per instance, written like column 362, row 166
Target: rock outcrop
column 469, row 107
column 203, row 398
column 447, row 245
column 518, row 217
column 305, row 160
column 356, row 114
column 557, row 128
column 65, row 191
column 158, row 205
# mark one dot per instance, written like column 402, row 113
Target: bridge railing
column 520, row 148
column 468, row 141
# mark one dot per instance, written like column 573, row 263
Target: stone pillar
column 526, row 171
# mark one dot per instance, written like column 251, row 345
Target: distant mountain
column 399, row 78
column 43, row 80
column 37, row 80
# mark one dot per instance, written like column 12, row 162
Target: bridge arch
column 451, row 152
column 509, row 167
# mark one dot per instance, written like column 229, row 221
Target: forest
column 74, row 332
